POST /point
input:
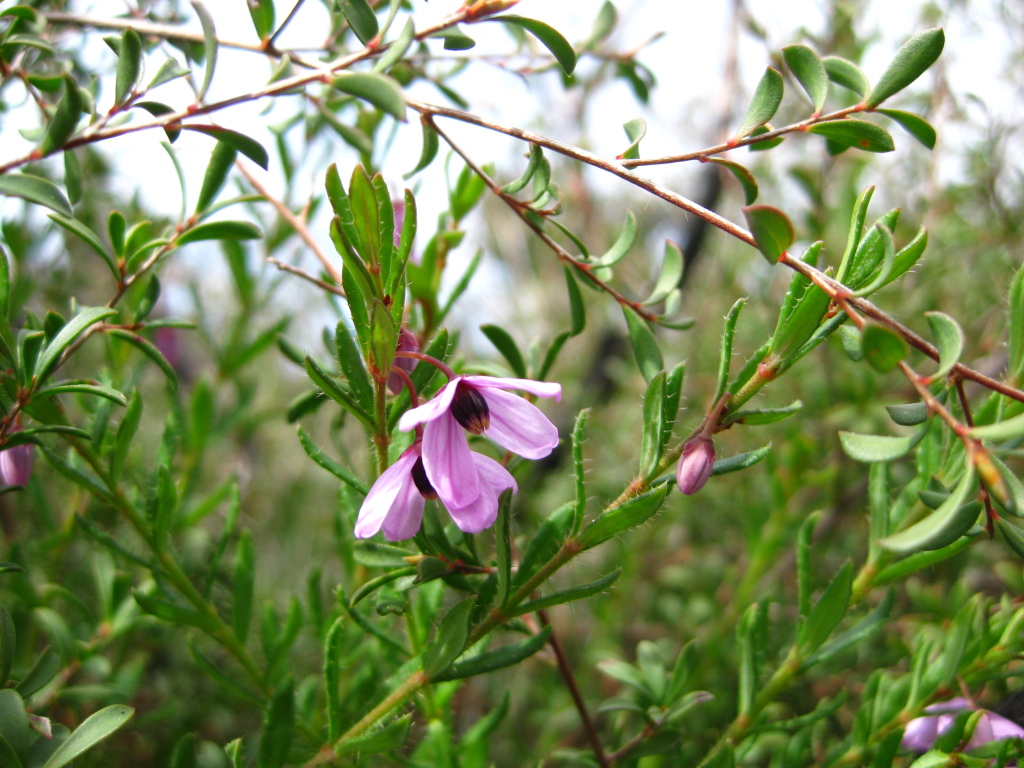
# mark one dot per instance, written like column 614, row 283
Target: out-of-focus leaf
column 169, row 70
column 37, row 190
column 552, row 39
column 149, row 350
column 93, row 730
column 506, row 345
column 386, row 739
column 871, row 448
column 450, row 640
column 949, row 340
column 129, row 65
column 669, row 276
column 221, row 161
column 910, row 62
column 210, row 46
column 397, row 49
column 809, row 71
column 916, row 126
column 882, row 348
column 908, row 415
column 847, row 74
column 262, row 13
column 382, row 91
column 577, row 312
column 237, row 141
column 65, row 119
column 828, row 611
column 220, row 230
column 429, row 151
column 360, row 18
column 772, row 230
column 622, row 245
column 278, row 725
column 635, row 129
column 645, row 346
column 764, row 104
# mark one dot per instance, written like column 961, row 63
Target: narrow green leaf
column 741, row 461
column 222, row 159
column 243, row 582
column 499, row 658
column 65, row 119
column 353, row 367
column 622, row 245
column 653, row 424
column 669, row 276
column 859, row 632
column 237, row 141
column 169, row 70
column 43, row 671
column 125, row 434
column 909, row 254
column 450, row 639
column 949, row 340
column 916, row 126
column 334, row 390
column 764, row 104
column 397, row 49
column 503, row 547
column 506, row 345
column 725, row 355
column 909, row 414
column 871, row 448
column 129, row 65
column 912, row 563
column 743, row 176
column 67, row 335
column 629, row 515
column 390, row 737
column 828, row 611
column 763, row 144
column 93, row 730
column 552, row 39
column 374, row 554
column 645, row 346
column 635, row 130
column 209, row 47
column 762, row 416
column 455, row 40
column 847, row 74
column 91, row 238
column 568, row 595
column 8, row 645
column 883, row 349
column 949, row 522
column 870, row 250
column 262, row 14
column 220, row 230
column 910, row 62
column 360, row 18
column 535, row 156
column 1013, row 535
column 1002, row 430
column 803, row 565
column 580, row 503
column 149, row 350
column 859, row 134
column 883, row 275
column 772, row 230
column 278, row 725
column 809, row 71
column 37, row 190
column 853, row 238
column 577, row 310
column 381, row 91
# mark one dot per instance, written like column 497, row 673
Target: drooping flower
column 16, row 464
column 921, row 732
column 478, row 404
column 406, row 343
column 395, row 502
column 695, row 465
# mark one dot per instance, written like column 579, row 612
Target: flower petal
column 406, row 514
column 381, row 499
column 449, row 462
column 479, row 514
column 432, row 409
column 493, row 474
column 996, row 728
column 538, row 388
column 518, row 425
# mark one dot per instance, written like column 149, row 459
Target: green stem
column 396, row 698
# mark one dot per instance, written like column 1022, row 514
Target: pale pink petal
column 382, row 496
column 406, row 514
column 479, row 514
column 518, row 425
column 993, row 727
column 432, row 409
column 920, row 733
column 538, row 388
column 449, row 462
column 493, row 474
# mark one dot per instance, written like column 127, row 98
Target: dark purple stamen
column 470, row 409
column 419, row 477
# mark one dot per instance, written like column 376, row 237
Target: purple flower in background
column 478, row 404
column 921, row 732
column 695, row 466
column 16, row 464
column 406, row 343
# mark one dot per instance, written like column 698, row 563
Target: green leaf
column 546, row 542
column 374, row 554
column 220, row 230
column 262, row 13
column 870, row 250
column 65, row 119
column 360, row 18
column 37, row 190
column 278, row 724
column 381, row 91
column 503, row 547
column 882, row 347
column 859, row 134
column 499, row 658
column 620, row 519
column 149, row 350
column 669, row 276
column 1002, row 430
column 916, row 126
column 222, row 159
column 725, row 355
column 67, row 335
column 450, row 640
column 386, row 739
column 651, row 445
column 506, row 345
column 129, row 65
column 949, row 522
column 552, row 39
column 353, row 367
column 772, row 230
column 809, row 71
column 741, row 461
column 763, row 144
column 872, row 448
column 93, row 730
column 898, row 570
column 568, row 595
column 8, row 645
column 883, row 275
column 743, row 176
column 91, row 238
column 577, row 310
column 764, row 105
column 455, row 40
column 242, row 585
column 855, row 634
column 645, row 346
column 535, row 156
column 949, row 340
column 383, row 339
column 125, row 433
column 237, row 141
column 43, row 671
column 847, row 74
column 828, row 611
column 209, row 47
column 761, row 416
column 1013, row 535
column 909, row 414
column 635, row 130
column 336, row 392
column 909, row 254
column 169, row 70
column 910, row 62
column 622, row 245
column 397, row 49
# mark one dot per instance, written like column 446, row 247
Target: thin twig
column 305, row 276
column 287, row 20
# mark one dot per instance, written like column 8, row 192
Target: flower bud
column 406, row 343
column 470, row 409
column 16, row 464
column 696, row 464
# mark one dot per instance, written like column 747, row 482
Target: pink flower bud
column 16, row 464
column 696, row 464
column 406, row 343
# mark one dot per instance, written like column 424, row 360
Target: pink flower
column 921, row 732
column 395, row 502
column 16, row 464
column 479, row 404
column 696, row 464
column 406, row 343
